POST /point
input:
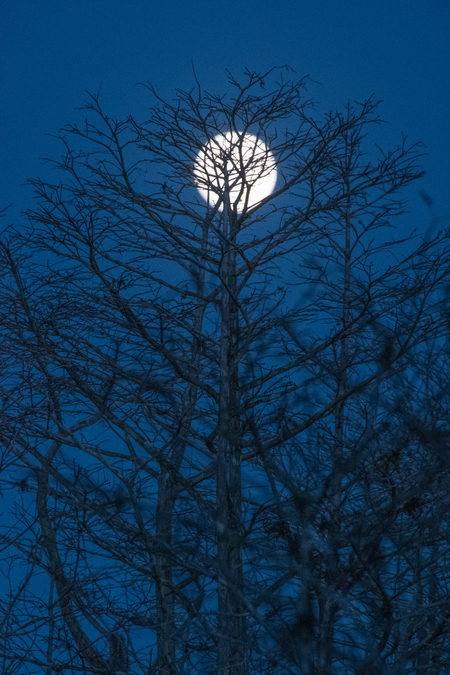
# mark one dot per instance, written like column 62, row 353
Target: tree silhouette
column 233, row 417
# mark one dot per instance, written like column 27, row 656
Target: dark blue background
column 53, row 50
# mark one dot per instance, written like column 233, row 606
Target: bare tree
column 224, row 424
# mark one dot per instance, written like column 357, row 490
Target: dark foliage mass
column 224, row 431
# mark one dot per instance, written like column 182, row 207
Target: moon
column 241, row 162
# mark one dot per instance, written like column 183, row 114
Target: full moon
column 240, row 162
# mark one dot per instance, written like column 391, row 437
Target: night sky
column 52, row 51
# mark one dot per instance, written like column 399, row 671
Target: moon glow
column 241, row 163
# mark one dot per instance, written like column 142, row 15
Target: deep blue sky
column 53, row 50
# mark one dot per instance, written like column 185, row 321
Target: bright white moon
column 242, row 162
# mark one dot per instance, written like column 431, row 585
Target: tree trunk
column 231, row 616
column 164, row 594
